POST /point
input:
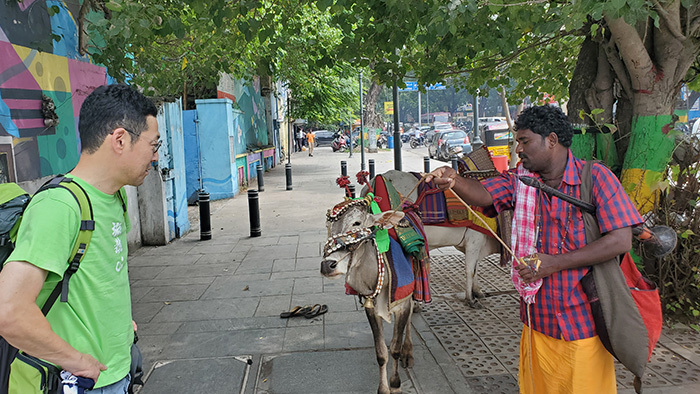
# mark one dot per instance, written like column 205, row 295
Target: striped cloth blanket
column 409, row 234
column 453, row 212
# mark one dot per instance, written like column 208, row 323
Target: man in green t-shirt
column 91, row 334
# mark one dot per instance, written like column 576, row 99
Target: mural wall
column 43, row 83
column 251, row 130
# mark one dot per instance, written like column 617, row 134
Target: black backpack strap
column 87, row 226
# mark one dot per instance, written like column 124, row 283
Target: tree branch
column 672, row 18
column 508, row 58
column 617, row 66
column 633, row 53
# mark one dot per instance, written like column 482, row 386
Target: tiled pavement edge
column 204, row 308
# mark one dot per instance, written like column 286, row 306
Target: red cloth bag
column 646, row 296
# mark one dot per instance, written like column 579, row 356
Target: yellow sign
column 389, row 107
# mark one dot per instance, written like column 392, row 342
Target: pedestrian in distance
column 300, row 139
column 91, row 334
column 562, row 352
column 311, row 140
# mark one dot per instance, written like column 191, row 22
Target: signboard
column 389, row 107
column 412, row 86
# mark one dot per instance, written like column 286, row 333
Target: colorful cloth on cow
column 409, row 233
column 382, row 235
column 401, row 280
column 524, row 235
column 410, row 239
column 561, row 309
column 445, row 209
column 433, row 207
column 560, row 366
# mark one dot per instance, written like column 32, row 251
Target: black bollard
column 426, row 164
column 352, row 191
column 343, row 168
column 261, row 183
column 455, row 166
column 371, row 168
column 288, row 171
column 254, row 213
column 204, row 216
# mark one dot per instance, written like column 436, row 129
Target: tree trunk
column 372, row 118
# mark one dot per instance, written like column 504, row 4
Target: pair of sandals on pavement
column 308, row 311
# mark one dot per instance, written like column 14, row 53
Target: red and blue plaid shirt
column 561, row 309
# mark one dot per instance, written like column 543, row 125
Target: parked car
column 324, row 137
column 436, row 127
column 445, row 144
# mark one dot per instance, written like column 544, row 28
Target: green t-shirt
column 97, row 317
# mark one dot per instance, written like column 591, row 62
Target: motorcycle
column 382, row 143
column 339, row 143
column 416, row 141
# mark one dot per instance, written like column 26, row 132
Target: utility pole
column 362, row 129
column 397, row 134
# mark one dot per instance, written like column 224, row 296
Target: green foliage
column 678, row 275
column 164, row 46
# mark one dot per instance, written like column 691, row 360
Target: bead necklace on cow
column 353, row 238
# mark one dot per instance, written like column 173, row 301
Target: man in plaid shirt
column 562, row 353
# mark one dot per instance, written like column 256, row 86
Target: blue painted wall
column 217, row 147
column 178, row 178
column 189, row 130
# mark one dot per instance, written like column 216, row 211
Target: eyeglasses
column 155, row 146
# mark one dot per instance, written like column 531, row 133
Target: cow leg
column 377, row 326
column 407, row 348
column 402, row 318
column 472, row 246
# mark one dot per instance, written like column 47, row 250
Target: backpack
column 13, row 202
column 625, row 305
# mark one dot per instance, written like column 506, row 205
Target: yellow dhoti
column 564, row 367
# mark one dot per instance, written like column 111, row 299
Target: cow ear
column 387, row 219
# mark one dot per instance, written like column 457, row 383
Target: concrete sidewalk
column 208, row 311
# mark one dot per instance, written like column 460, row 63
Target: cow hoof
column 407, row 361
column 478, row 294
column 395, row 384
column 475, row 304
column 383, row 390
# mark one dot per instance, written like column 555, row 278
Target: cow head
column 350, row 248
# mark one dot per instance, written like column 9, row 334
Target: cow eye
column 356, row 224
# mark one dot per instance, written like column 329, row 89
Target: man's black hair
column 109, row 107
column 544, row 120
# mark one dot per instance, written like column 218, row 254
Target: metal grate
column 494, row 384
column 442, row 318
column 480, row 365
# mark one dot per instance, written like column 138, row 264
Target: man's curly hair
column 544, row 120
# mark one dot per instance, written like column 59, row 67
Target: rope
column 488, row 228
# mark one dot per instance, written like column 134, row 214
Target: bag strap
column 87, row 226
column 590, row 222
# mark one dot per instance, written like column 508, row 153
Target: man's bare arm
column 470, row 190
column 24, row 326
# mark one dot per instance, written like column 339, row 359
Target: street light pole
column 397, row 134
column 362, row 129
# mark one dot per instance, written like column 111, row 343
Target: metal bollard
column 371, row 168
column 352, row 191
column 426, row 164
column 455, row 166
column 204, row 216
column 254, row 213
column 288, row 172
column 343, row 168
column 261, row 183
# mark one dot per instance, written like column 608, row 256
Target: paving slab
column 205, row 375
column 319, row 373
